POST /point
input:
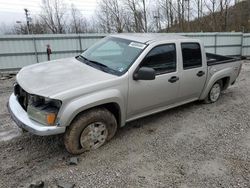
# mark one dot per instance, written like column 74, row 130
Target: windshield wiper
column 93, row 62
column 96, row 64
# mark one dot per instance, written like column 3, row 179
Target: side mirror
column 144, row 73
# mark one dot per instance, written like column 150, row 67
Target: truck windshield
column 113, row 55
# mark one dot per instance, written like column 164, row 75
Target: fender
column 214, row 77
column 85, row 102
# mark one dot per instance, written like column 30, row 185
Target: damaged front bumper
column 20, row 116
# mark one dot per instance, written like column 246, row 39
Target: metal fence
column 17, row 51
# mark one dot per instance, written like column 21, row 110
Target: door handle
column 200, row 73
column 173, row 79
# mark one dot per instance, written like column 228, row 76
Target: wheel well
column 225, row 82
column 112, row 107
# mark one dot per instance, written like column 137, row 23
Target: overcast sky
column 12, row 10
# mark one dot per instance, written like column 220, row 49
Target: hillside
column 237, row 18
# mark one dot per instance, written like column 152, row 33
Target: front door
column 147, row 96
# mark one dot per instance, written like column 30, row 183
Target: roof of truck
column 149, row 37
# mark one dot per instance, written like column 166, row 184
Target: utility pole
column 28, row 20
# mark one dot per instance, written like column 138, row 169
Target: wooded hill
column 235, row 18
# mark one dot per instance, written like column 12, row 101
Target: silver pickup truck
column 121, row 78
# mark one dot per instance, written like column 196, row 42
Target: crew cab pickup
column 121, row 78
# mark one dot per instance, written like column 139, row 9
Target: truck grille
column 22, row 96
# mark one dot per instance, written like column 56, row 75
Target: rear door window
column 191, row 55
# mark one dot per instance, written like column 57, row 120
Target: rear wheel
column 90, row 130
column 214, row 93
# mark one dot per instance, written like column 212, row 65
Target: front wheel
column 214, row 93
column 90, row 130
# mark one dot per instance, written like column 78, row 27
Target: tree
column 78, row 24
column 137, row 16
column 224, row 6
column 54, row 15
column 104, row 17
column 167, row 12
column 199, row 4
column 145, row 16
column 38, row 26
column 133, row 8
column 218, row 9
column 140, row 13
column 19, row 29
column 111, row 16
column 5, row 29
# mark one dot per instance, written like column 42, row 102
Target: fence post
column 34, row 43
column 215, row 43
column 241, row 48
column 80, row 43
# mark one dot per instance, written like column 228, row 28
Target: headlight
column 44, row 110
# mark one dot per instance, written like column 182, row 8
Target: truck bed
column 214, row 59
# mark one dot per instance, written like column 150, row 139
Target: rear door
column 193, row 73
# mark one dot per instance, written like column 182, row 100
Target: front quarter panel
column 80, row 104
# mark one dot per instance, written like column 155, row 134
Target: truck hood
column 52, row 78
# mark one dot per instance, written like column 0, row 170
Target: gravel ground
column 195, row 145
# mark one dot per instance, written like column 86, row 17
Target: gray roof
column 148, row 37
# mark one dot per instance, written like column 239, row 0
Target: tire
column 214, row 93
column 90, row 130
